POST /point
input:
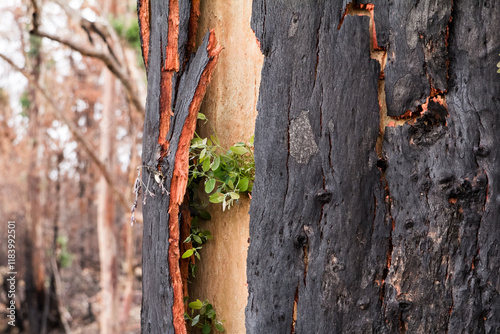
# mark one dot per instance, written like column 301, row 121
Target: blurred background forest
column 72, row 92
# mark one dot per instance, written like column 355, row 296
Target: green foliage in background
column 205, row 317
column 64, row 257
column 35, row 46
column 25, row 102
column 128, row 30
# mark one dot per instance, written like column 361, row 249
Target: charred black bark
column 348, row 236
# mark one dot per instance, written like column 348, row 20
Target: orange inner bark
column 145, row 28
column 179, row 183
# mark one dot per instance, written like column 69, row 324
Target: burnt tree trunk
column 376, row 205
column 177, row 81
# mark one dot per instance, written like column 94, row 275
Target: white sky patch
column 121, row 132
column 80, row 105
column 53, row 174
column 81, row 121
column 53, row 18
column 89, row 14
column 123, row 156
column 98, row 111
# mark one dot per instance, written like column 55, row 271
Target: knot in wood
column 323, row 196
column 481, row 151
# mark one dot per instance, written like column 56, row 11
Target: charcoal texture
column 345, row 239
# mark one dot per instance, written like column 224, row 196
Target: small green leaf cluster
column 64, row 257
column 35, row 46
column 198, row 238
column 127, row 30
column 206, row 319
column 225, row 173
column 25, row 102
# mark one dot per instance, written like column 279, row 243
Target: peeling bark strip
column 143, row 12
column 174, row 97
column 408, row 240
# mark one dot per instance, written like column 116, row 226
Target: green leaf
column 238, row 150
column 230, row 184
column 234, row 195
column 206, row 165
column 252, row 140
column 206, row 329
column 195, row 320
column 202, row 153
column 197, row 239
column 205, row 215
column 216, row 198
column 215, row 163
column 198, row 255
column 195, row 142
column 498, row 64
column 210, row 313
column 209, row 186
column 188, row 253
column 219, row 326
column 196, row 305
column 243, row 184
column 188, row 239
column 202, row 116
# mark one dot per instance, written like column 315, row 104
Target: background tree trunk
column 35, row 278
column 376, row 202
column 106, row 209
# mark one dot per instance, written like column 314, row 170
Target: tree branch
column 109, row 60
column 87, row 146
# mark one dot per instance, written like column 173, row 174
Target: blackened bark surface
column 415, row 35
column 157, row 299
column 339, row 245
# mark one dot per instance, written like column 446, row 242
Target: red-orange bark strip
column 144, row 19
column 179, row 183
column 193, row 25
column 172, row 54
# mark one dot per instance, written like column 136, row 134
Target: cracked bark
column 177, row 81
column 402, row 100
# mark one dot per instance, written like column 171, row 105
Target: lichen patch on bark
column 302, row 143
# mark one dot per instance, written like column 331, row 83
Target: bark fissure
column 294, row 309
